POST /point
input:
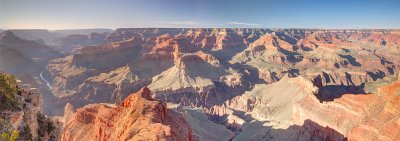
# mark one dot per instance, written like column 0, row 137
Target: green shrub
column 10, row 137
column 8, row 91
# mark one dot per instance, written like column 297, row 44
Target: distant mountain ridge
column 50, row 36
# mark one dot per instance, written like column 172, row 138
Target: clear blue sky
column 68, row 14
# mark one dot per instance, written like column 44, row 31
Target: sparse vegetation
column 8, row 91
column 10, row 136
column 26, row 133
column 46, row 126
column 3, row 122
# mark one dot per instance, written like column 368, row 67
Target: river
column 44, row 80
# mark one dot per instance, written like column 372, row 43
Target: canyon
column 213, row 83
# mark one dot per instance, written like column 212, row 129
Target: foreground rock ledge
column 139, row 117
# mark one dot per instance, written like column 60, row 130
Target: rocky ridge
column 139, row 117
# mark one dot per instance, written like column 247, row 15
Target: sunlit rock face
column 138, row 117
column 21, row 110
column 291, row 109
column 382, row 123
column 360, row 117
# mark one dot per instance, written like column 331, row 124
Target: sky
column 79, row 14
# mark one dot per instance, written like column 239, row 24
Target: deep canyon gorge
column 206, row 83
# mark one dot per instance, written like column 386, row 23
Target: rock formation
column 251, row 84
column 20, row 56
column 293, row 105
column 139, row 117
column 21, row 108
column 359, row 117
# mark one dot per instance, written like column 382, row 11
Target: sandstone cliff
column 139, row 117
column 359, row 117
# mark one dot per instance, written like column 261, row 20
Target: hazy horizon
column 314, row 14
column 198, row 28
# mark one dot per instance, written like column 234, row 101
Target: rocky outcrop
column 196, row 76
column 291, row 109
column 139, row 117
column 21, row 108
column 272, row 102
column 359, row 117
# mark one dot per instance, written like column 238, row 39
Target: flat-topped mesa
column 198, row 58
column 138, row 118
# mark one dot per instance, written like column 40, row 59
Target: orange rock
column 366, row 117
column 138, row 118
column 385, row 123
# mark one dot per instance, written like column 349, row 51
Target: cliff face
column 359, row 117
column 21, row 108
column 139, row 117
column 381, row 123
column 291, row 109
column 21, row 57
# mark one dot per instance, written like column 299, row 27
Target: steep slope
column 264, row 103
column 204, row 129
column 73, row 42
column 290, row 109
column 21, row 111
column 266, row 113
column 23, row 57
column 44, row 35
column 71, row 71
column 197, row 76
column 360, row 117
column 139, row 117
column 193, row 72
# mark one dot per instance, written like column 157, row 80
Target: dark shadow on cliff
column 310, row 130
column 378, row 75
column 290, row 35
column 229, row 50
column 215, row 96
column 331, row 92
column 351, row 60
